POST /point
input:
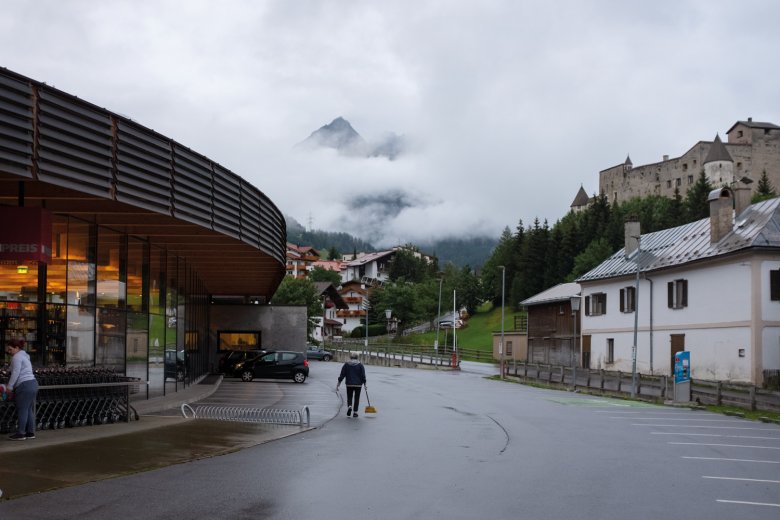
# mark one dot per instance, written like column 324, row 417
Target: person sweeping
column 355, row 374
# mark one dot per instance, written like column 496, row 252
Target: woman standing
column 25, row 388
column 355, row 374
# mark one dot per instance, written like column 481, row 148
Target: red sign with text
column 25, row 234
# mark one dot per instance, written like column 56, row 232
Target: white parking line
column 683, row 419
column 745, row 479
column 732, row 460
column 716, row 435
column 711, row 427
column 748, row 503
column 646, row 411
column 726, row 445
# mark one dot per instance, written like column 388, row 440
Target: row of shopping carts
column 70, row 397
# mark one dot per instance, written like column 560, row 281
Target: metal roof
column 368, row 257
column 717, row 152
column 757, row 226
column 754, row 124
column 581, row 199
column 559, row 293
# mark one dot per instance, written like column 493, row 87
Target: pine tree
column 765, row 190
column 696, row 205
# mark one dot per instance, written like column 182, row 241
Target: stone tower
column 718, row 165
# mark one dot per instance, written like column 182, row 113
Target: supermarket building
column 120, row 248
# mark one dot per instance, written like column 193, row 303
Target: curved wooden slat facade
column 72, row 157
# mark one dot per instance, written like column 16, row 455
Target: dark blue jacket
column 354, row 372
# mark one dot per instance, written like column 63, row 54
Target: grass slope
column 477, row 335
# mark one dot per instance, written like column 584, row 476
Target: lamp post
column 575, row 307
column 438, row 318
column 388, row 315
column 501, row 343
column 636, row 319
column 366, row 306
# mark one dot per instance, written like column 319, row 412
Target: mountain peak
column 339, row 135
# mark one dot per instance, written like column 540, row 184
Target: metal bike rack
column 252, row 415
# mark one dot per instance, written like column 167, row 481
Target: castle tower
column 718, row 165
column 581, row 200
column 628, row 164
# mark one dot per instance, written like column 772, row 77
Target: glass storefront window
column 80, row 351
column 55, row 342
column 156, row 281
column 19, row 282
column 137, row 276
column 110, row 346
column 81, row 263
column 137, row 347
column 56, row 271
column 111, row 262
column 156, row 356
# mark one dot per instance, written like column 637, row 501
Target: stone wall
column 755, row 151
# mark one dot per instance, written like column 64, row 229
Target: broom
column 369, row 409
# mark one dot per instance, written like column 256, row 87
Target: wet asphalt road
column 458, row 446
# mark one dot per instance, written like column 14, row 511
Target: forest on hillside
column 536, row 257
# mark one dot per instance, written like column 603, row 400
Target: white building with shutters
column 711, row 287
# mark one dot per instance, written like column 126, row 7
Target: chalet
column 355, row 296
column 300, row 260
column 371, row 269
column 328, row 326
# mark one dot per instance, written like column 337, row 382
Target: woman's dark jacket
column 354, row 372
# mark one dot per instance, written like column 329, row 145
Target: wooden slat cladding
column 74, row 145
column 227, row 202
column 192, row 186
column 16, row 127
column 78, row 158
column 144, row 169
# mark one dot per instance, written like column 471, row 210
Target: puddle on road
column 52, row 467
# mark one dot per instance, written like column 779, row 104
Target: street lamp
column 438, row 318
column 636, row 317
column 575, row 307
column 501, row 343
column 388, row 315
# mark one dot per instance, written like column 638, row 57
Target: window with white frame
column 774, row 285
column 596, row 304
column 628, row 299
column 677, row 294
column 610, row 350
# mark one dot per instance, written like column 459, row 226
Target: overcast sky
column 511, row 105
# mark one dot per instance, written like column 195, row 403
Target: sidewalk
column 72, row 456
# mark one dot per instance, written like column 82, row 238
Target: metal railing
column 649, row 387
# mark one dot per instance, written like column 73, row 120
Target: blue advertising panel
column 682, row 367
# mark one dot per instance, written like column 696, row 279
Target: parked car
column 228, row 362
column 315, row 352
column 279, row 364
column 175, row 365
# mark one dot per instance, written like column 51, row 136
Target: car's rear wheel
column 299, row 377
column 247, row 375
column 326, row 357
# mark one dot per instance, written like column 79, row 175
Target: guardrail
column 649, row 387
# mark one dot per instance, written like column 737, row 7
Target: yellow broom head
column 370, row 409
